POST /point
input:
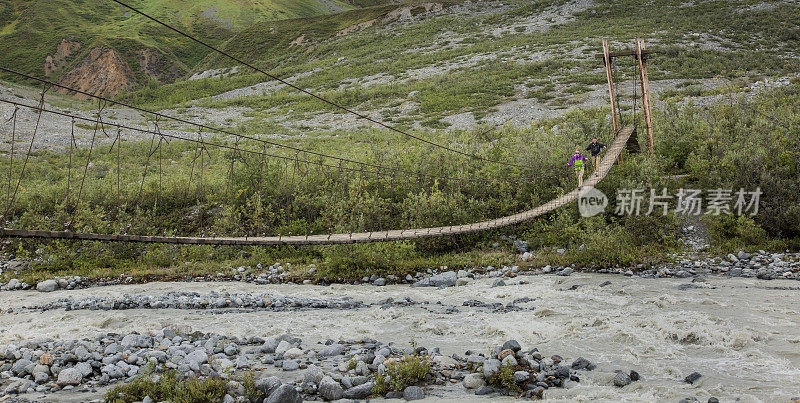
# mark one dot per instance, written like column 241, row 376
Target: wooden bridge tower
column 640, row 54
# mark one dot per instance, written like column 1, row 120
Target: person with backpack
column 578, row 162
column 594, row 148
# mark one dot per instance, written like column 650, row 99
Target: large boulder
column 473, row 381
column 20, row 367
column 69, row 376
column 267, row 385
column 195, row 359
column 621, row 379
column 269, row 346
column 84, row 368
column 47, row 286
column 491, row 367
column 292, row 353
column 413, row 393
column 284, row 394
column 446, row 279
column 359, row 392
column 512, row 345
column 313, row 375
column 331, row 350
column 329, row 389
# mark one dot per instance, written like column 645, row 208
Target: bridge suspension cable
column 318, row 97
column 377, row 171
column 547, row 173
column 621, row 137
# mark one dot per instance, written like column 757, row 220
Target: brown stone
column 46, row 359
column 505, row 353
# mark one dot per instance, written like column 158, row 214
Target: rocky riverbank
column 761, row 264
column 282, row 368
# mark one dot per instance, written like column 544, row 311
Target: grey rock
column 359, row 392
column 358, row 380
column 269, row 346
column 290, row 365
column 231, row 349
column 521, row 376
column 40, row 377
column 267, row 385
column 621, row 379
column 484, row 390
column 446, row 279
column 380, row 282
column 293, row 353
column 473, row 381
column 329, row 389
column 69, row 376
column 47, row 286
column 491, row 367
column 561, row 372
column 84, row 368
column 512, row 345
column 283, row 346
column 242, row 362
column 331, row 350
column 20, row 367
column 195, row 359
column 509, row 361
column 565, row 272
column 692, row 378
column 582, row 363
column 313, row 374
column 362, row 368
column 17, row 386
column 413, row 393
column 284, row 394
column 498, row 283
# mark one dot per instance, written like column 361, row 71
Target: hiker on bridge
column 595, row 147
column 578, row 161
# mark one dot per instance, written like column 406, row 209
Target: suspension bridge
column 621, row 137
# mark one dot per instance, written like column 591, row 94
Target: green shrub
column 504, row 379
column 406, row 371
column 729, row 232
column 167, row 385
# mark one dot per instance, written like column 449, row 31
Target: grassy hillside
column 30, row 30
column 473, row 58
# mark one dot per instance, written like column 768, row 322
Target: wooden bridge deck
column 611, row 155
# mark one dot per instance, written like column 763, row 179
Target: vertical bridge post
column 648, row 118
column 609, row 75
